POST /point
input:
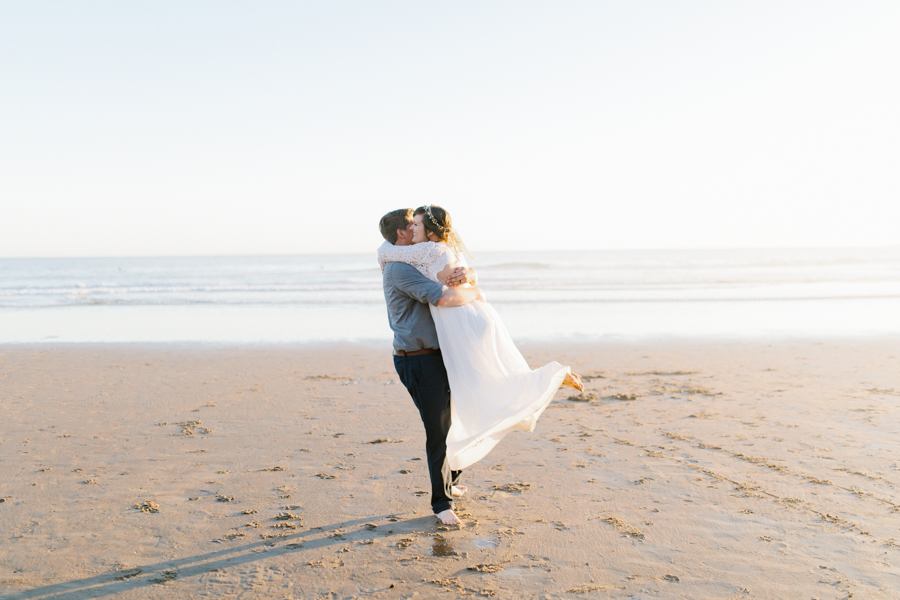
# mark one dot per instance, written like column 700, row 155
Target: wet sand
column 687, row 470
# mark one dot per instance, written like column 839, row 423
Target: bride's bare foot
column 458, row 491
column 573, row 380
column 448, row 517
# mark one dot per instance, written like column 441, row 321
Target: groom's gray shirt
column 408, row 294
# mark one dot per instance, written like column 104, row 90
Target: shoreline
column 586, row 343
column 690, row 469
column 528, row 322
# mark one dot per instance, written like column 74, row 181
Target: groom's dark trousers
column 408, row 294
column 426, row 380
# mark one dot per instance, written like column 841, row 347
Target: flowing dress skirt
column 493, row 390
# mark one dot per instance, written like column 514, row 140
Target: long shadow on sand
column 115, row 582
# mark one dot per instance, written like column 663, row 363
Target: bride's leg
column 573, row 380
column 459, row 491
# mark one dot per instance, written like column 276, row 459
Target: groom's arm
column 408, row 280
column 457, row 296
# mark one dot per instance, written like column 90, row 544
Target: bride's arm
column 412, row 255
column 431, row 260
column 428, row 258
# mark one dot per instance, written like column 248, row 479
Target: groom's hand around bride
column 462, row 275
column 460, row 296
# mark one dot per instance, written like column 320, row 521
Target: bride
column 494, row 391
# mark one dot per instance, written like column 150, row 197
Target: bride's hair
column 437, row 221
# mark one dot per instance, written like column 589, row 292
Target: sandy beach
column 688, row 469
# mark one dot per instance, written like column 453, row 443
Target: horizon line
column 555, row 251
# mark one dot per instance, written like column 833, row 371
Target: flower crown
column 433, row 220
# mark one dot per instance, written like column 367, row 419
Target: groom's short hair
column 394, row 220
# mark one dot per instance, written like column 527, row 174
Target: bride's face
column 419, row 233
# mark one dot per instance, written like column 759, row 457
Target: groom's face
column 404, row 236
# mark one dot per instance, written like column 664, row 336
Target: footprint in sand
column 128, row 574
column 516, row 487
column 148, row 506
column 165, row 577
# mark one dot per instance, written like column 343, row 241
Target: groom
column 417, row 355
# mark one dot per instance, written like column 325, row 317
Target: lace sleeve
column 428, row 258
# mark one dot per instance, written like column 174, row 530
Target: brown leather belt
column 416, row 352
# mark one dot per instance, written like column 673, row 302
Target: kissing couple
column 448, row 340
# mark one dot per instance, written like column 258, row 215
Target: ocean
column 542, row 296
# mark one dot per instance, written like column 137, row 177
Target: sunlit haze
column 223, row 128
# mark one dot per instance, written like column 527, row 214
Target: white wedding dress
column 493, row 390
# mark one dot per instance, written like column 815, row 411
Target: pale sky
column 220, row 127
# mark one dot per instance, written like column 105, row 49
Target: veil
column 457, row 241
column 450, row 233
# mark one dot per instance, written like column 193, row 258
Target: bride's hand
column 458, row 277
